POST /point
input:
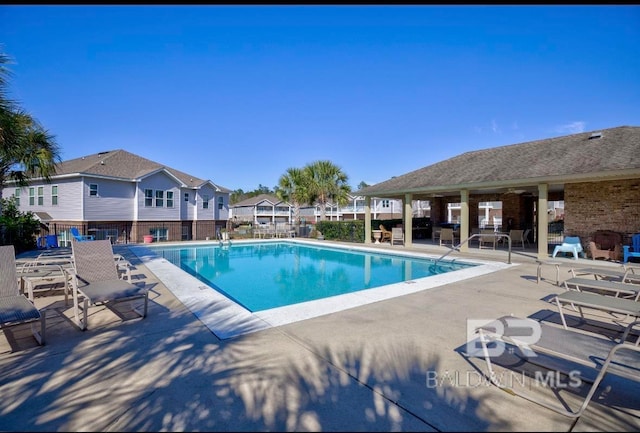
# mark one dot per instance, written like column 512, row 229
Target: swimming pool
column 227, row 318
column 260, row 276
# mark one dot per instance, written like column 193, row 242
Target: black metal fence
column 114, row 232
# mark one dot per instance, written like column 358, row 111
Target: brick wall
column 602, row 206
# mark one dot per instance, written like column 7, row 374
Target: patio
column 386, row 366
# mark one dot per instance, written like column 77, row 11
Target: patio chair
column 572, row 245
column 517, row 236
column 487, row 238
column 597, row 253
column 386, row 234
column 77, row 236
column 635, row 245
column 15, row 308
column 446, row 235
column 526, row 344
column 397, row 235
column 525, row 236
column 95, row 278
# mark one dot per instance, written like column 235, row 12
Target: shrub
column 17, row 228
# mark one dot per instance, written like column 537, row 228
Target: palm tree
column 27, row 150
column 327, row 183
column 293, row 187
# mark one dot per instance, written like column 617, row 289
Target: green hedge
column 353, row 231
column 347, row 231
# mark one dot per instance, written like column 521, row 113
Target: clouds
column 571, row 128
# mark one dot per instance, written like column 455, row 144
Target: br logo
column 521, row 332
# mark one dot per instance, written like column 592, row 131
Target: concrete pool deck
column 367, row 368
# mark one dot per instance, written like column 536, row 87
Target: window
column 32, row 196
column 156, row 198
column 148, row 197
column 40, row 195
column 205, row 202
column 54, row 195
column 186, row 196
column 16, row 194
column 220, row 203
column 385, row 203
column 159, row 234
column 93, row 190
column 159, row 198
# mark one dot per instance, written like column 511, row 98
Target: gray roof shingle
column 120, row 164
column 576, row 156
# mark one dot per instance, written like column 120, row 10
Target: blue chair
column 48, row 241
column 635, row 245
column 572, row 245
column 51, row 241
column 79, row 237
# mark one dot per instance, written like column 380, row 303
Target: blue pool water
column 266, row 275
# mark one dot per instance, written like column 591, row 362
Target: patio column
column 464, row 219
column 408, row 220
column 543, row 221
column 367, row 220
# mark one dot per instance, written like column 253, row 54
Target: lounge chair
column 77, row 236
column 609, row 304
column 635, row 245
column 386, row 234
column 397, row 235
column 627, row 275
column 571, row 245
column 15, row 308
column 617, row 288
column 518, row 343
column 95, row 278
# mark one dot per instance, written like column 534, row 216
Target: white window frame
column 148, row 197
column 54, row 195
column 159, row 198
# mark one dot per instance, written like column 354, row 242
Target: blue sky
column 238, row 94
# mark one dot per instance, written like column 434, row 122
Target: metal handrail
column 478, row 235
